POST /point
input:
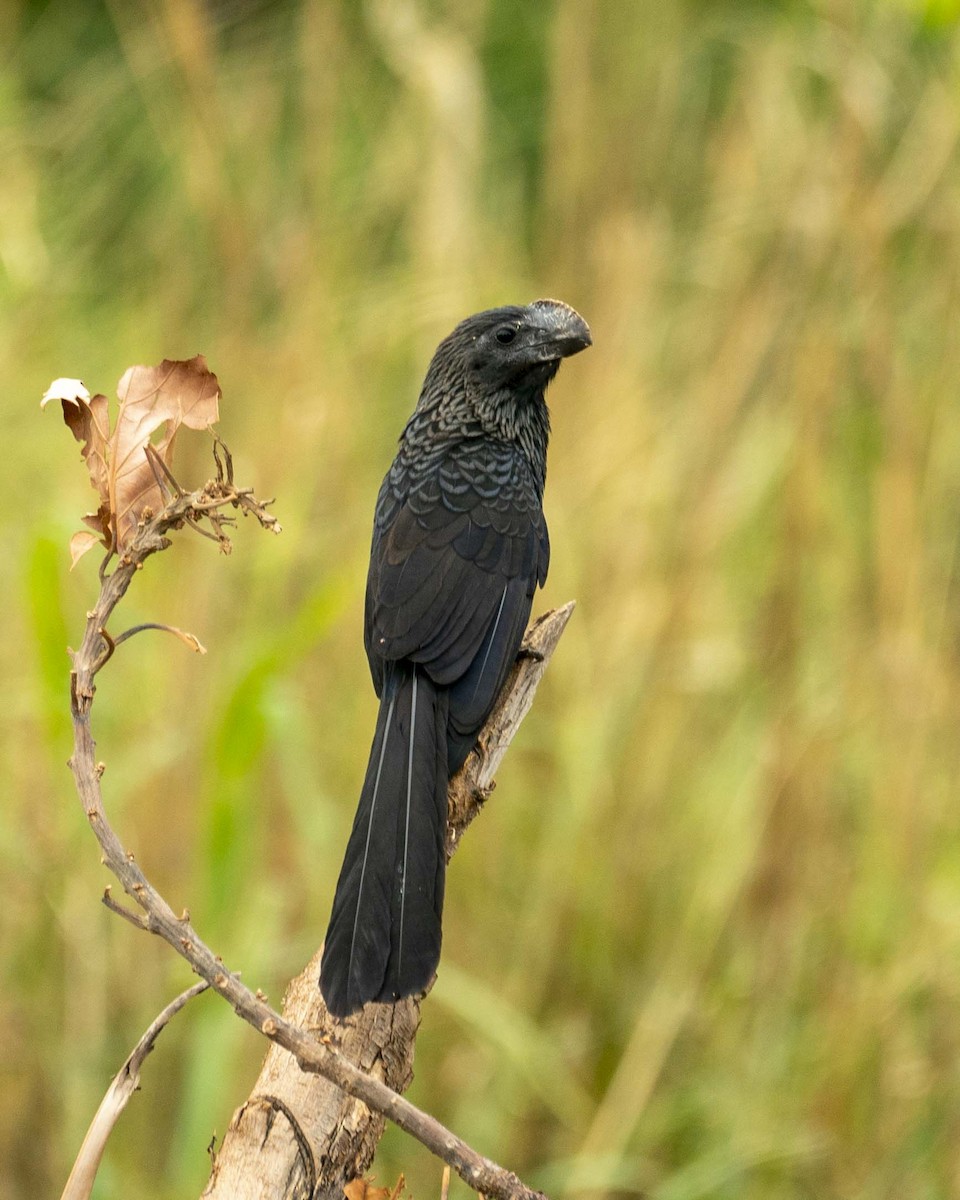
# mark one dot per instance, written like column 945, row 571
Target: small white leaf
column 65, row 389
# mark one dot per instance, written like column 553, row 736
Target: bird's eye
column 506, row 335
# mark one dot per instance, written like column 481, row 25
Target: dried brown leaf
column 154, row 399
column 101, row 523
column 82, row 541
column 154, row 403
column 89, row 422
column 363, row 1189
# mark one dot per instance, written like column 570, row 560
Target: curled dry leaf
column 154, row 403
column 82, row 541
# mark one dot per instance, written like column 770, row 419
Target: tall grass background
column 705, row 940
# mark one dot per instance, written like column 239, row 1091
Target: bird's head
column 519, row 348
column 491, row 373
column 510, row 349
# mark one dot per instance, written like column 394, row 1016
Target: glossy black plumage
column 459, row 547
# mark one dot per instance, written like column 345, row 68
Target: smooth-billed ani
column 459, row 547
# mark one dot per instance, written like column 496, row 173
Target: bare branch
column 125, row 1083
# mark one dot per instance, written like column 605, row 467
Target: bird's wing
column 454, row 565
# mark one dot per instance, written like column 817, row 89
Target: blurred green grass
column 705, row 941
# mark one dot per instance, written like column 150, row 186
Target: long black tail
column 383, row 941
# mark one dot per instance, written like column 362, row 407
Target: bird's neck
column 520, row 420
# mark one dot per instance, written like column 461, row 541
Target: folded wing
column 457, row 556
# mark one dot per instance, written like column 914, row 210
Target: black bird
column 459, row 547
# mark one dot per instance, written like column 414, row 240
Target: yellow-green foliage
column 705, row 940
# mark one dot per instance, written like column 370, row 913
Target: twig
column 188, row 639
column 312, row 1054
column 134, row 918
column 162, row 473
column 107, row 653
column 125, row 1083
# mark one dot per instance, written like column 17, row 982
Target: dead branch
column 373, row 1053
column 125, row 1083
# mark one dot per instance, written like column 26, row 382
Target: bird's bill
column 561, row 331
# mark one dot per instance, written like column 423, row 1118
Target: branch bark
column 369, row 1057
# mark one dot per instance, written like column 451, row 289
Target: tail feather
column 383, row 941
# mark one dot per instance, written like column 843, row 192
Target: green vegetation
column 705, row 941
